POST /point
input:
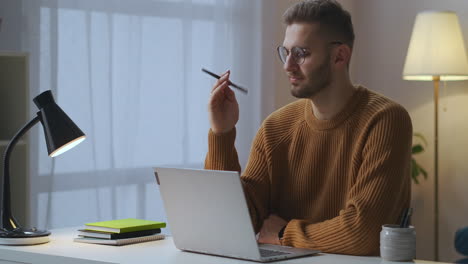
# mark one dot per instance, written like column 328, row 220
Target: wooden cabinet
column 14, row 109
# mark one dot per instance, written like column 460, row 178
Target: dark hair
column 332, row 18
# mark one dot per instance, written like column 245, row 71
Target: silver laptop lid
column 191, row 199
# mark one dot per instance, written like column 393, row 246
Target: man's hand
column 270, row 229
column 223, row 107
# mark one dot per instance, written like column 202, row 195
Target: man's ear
column 342, row 55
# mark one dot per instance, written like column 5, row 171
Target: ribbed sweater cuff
column 292, row 236
column 221, row 149
column 287, row 239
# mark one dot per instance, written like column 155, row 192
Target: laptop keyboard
column 272, row 253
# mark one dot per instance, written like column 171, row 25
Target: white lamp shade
column 436, row 48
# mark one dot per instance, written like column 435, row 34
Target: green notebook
column 124, row 225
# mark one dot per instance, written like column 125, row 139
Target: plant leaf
column 420, row 136
column 415, row 179
column 414, row 171
column 424, row 172
column 417, row 149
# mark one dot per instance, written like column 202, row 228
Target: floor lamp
column 436, row 53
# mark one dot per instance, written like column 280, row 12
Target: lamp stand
column 11, row 233
column 436, row 80
column 61, row 134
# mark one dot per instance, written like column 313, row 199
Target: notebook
column 111, row 235
column 211, row 205
column 119, row 242
column 124, row 225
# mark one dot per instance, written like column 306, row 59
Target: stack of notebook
column 121, row 232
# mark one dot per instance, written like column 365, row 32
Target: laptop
column 207, row 212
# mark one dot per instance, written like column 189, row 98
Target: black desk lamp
column 61, row 135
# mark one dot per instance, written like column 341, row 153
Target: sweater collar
column 350, row 108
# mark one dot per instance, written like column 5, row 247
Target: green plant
column 416, row 169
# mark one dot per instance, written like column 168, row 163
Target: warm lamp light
column 436, row 48
column 61, row 135
column 436, row 52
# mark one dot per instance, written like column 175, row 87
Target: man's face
column 314, row 74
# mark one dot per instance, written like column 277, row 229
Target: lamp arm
column 7, row 221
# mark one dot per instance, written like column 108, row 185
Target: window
column 129, row 74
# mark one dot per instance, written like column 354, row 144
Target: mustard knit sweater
column 335, row 181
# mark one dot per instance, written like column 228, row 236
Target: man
column 327, row 171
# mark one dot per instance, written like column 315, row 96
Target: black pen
column 405, row 221
column 402, row 217
column 230, row 83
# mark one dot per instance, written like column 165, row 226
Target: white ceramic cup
column 397, row 244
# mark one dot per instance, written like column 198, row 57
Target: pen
column 402, row 217
column 230, row 83
column 405, row 219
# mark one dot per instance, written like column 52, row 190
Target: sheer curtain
column 128, row 73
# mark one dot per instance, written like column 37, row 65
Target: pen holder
column 397, row 243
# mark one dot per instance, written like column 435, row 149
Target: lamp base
column 23, row 236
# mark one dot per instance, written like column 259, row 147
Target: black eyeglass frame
column 303, row 51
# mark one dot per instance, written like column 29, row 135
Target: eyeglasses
column 298, row 54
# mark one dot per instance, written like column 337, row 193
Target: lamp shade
column 60, row 131
column 436, row 48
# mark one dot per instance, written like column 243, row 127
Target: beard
column 317, row 81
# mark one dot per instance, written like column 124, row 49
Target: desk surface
column 62, row 249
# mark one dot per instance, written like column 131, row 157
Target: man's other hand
column 270, row 229
column 223, row 107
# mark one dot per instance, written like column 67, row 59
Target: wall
column 283, row 95
column 382, row 46
column 10, row 35
column 383, row 30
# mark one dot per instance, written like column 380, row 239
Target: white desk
column 61, row 249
